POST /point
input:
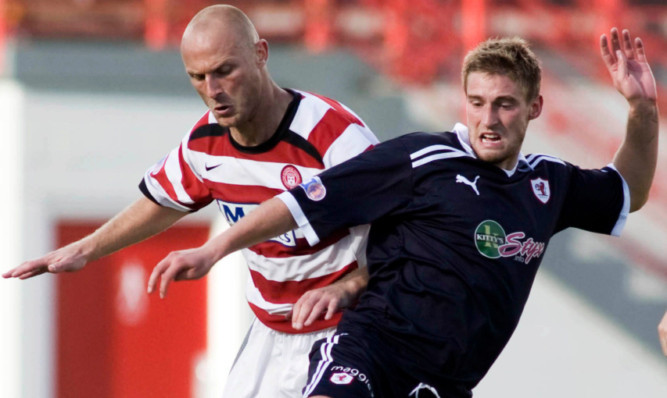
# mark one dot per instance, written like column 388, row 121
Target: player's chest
column 513, row 214
column 255, row 178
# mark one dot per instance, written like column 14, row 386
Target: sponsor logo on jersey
column 492, row 242
column 315, row 190
column 211, row 167
column 290, row 176
column 345, row 375
column 233, row 212
column 541, row 189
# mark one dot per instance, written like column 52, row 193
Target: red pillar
column 112, row 338
column 473, row 23
column 318, row 27
column 610, row 13
column 3, row 35
column 156, row 28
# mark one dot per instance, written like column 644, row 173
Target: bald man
column 255, row 140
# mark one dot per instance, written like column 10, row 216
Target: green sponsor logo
column 489, row 236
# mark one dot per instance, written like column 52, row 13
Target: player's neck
column 267, row 117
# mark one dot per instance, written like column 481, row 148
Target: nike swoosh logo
column 209, row 168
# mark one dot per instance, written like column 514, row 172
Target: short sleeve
column 596, row 201
column 365, row 188
column 172, row 182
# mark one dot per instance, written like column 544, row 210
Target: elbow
column 637, row 202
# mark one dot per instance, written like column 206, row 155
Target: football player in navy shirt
column 460, row 221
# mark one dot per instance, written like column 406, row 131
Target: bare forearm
column 355, row 283
column 636, row 159
column 139, row 221
column 270, row 219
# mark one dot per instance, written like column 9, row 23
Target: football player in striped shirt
column 459, row 224
column 255, row 141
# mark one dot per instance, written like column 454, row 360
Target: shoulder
column 541, row 159
column 540, row 162
column 205, row 135
column 422, row 145
column 315, row 107
column 206, row 126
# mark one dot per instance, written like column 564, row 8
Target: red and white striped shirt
column 316, row 133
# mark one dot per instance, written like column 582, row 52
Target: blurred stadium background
column 92, row 92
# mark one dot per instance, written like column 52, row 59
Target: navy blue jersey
column 455, row 242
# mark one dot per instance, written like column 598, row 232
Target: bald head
column 218, row 22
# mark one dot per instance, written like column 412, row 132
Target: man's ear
column 262, row 51
column 536, row 107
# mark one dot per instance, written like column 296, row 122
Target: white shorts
column 271, row 364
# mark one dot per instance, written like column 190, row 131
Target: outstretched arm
column 631, row 74
column 270, row 219
column 137, row 222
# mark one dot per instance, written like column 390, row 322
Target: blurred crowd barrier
column 415, row 41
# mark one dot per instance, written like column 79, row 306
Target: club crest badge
column 290, row 176
column 541, row 189
column 341, row 378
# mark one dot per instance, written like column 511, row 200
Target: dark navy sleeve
column 358, row 191
column 596, row 200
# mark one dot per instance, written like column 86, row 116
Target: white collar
column 464, row 138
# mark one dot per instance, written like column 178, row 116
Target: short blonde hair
column 505, row 56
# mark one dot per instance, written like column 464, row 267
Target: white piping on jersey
column 451, row 153
column 300, row 218
column 431, row 148
column 625, row 211
column 535, row 158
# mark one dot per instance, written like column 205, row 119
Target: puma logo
column 473, row 184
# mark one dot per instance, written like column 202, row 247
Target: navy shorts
column 336, row 373
column 342, row 366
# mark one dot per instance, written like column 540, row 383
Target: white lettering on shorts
column 345, row 375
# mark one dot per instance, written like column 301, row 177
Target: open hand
column 317, row 302
column 66, row 259
column 626, row 61
column 180, row 265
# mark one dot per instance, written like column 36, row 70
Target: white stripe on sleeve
column 299, row 217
